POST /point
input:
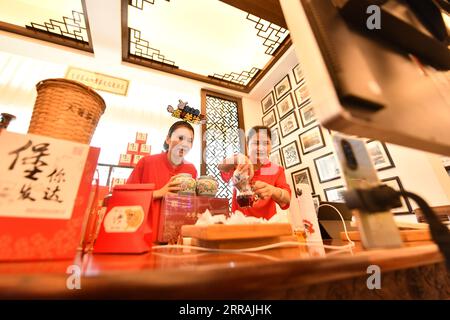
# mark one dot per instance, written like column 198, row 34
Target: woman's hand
column 267, row 191
column 170, row 187
column 263, row 190
column 244, row 166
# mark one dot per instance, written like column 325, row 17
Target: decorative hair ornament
column 186, row 113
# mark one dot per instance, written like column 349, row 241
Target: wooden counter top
column 416, row 271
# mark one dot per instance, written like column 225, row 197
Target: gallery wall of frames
column 304, row 148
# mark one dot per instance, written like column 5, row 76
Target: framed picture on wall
column 311, row 140
column 380, row 155
column 307, row 115
column 316, row 199
column 267, row 102
column 335, row 194
column 396, row 184
column 302, row 176
column 291, row 155
column 298, row 74
column 275, row 157
column 282, row 87
column 269, row 119
column 275, row 137
column 302, row 95
column 327, row 167
column 285, row 106
column 289, row 124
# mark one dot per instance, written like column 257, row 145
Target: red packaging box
column 125, row 227
column 179, row 210
column 133, row 148
column 125, row 159
column 141, row 137
column 136, row 159
column 117, row 182
column 145, row 149
column 56, row 235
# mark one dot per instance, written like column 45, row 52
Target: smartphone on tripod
column 377, row 229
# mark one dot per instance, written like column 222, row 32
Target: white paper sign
column 39, row 176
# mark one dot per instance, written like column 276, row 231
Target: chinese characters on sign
column 39, row 176
column 98, row 81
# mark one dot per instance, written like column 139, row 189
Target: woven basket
column 66, row 109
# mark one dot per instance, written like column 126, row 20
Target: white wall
column 252, row 113
column 417, row 174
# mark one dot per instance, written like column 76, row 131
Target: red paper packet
column 125, row 227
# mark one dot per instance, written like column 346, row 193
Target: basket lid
column 66, row 82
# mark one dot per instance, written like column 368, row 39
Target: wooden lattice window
column 223, row 134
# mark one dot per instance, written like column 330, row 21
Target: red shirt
column 263, row 208
column 158, row 170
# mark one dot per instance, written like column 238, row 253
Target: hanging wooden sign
column 98, row 81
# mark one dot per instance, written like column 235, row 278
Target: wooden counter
column 414, row 272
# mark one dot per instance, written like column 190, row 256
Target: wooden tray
column 406, row 235
column 240, row 243
column 220, row 232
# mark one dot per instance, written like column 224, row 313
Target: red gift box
column 117, row 182
column 133, row 148
column 141, row 137
column 48, row 233
column 125, row 159
column 145, row 149
column 179, row 210
column 136, row 159
column 125, row 227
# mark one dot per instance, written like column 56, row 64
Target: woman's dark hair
column 174, row 127
column 256, row 129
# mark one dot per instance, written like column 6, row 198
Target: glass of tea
column 246, row 198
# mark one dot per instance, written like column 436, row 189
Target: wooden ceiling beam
column 269, row 10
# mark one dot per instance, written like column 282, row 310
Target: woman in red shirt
column 161, row 169
column 267, row 179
